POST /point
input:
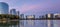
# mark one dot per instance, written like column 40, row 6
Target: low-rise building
column 56, row 15
column 30, row 16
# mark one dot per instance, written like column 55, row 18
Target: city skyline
column 48, row 12
column 34, row 7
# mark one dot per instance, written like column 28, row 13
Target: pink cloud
column 25, row 7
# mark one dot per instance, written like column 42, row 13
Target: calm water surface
column 33, row 23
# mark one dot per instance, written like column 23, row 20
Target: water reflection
column 35, row 23
column 40, row 23
column 56, row 23
column 32, row 23
column 9, row 24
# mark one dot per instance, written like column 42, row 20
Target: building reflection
column 9, row 24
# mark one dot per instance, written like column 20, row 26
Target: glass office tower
column 18, row 13
column 4, row 8
column 13, row 11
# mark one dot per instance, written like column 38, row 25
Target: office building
column 42, row 17
column 49, row 15
column 13, row 11
column 56, row 15
column 4, row 8
column 18, row 13
column 21, row 15
column 30, row 16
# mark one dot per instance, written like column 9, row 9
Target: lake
column 32, row 23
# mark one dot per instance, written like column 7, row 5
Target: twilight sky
column 36, row 7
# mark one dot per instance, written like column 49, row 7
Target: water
column 32, row 23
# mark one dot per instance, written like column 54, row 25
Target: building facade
column 30, row 16
column 56, row 15
column 49, row 15
column 18, row 13
column 13, row 11
column 21, row 15
column 4, row 8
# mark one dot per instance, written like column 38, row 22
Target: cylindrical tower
column 4, row 8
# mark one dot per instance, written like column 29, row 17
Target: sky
column 34, row 7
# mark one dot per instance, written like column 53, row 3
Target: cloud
column 25, row 7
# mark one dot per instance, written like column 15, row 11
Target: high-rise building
column 18, row 13
column 49, row 15
column 4, row 8
column 21, row 15
column 13, row 11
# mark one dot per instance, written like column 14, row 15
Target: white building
column 57, row 15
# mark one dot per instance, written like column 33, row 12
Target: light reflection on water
column 32, row 23
column 40, row 23
column 35, row 23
